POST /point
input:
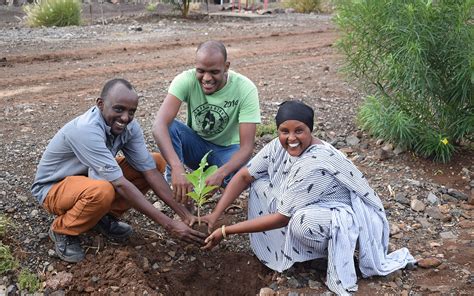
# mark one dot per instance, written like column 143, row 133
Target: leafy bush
column 7, row 261
column 266, row 129
column 303, row 6
column 5, row 223
column 151, row 7
column 28, row 281
column 59, row 13
column 181, row 5
column 417, row 57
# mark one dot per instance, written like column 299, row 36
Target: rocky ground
column 50, row 75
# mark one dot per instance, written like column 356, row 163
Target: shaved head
column 212, row 47
column 109, row 85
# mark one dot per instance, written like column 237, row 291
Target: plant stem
column 199, row 216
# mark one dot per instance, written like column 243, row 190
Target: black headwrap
column 295, row 110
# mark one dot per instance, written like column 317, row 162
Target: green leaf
column 194, row 196
column 203, row 163
column 208, row 189
column 209, row 171
column 193, row 178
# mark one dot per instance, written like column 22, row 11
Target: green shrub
column 180, row 5
column 304, row 6
column 28, row 281
column 385, row 120
column 7, row 261
column 5, row 223
column 417, row 57
column 266, row 129
column 151, row 7
column 59, row 13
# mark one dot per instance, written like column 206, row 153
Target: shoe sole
column 72, row 259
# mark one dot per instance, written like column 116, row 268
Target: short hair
column 214, row 45
column 111, row 83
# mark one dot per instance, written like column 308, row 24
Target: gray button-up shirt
column 86, row 147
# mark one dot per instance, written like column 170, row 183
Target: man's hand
column 210, row 220
column 213, row 239
column 181, row 186
column 189, row 219
column 182, row 231
column 215, row 179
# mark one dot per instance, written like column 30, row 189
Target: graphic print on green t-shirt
column 217, row 117
column 211, row 119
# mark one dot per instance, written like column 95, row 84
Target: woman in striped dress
column 308, row 201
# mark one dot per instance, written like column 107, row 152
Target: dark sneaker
column 113, row 229
column 68, row 247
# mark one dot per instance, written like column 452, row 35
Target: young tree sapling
column 198, row 177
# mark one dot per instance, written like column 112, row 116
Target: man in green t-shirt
column 222, row 114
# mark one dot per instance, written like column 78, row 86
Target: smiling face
column 211, row 70
column 118, row 108
column 294, row 136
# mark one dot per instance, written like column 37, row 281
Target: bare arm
column 236, row 186
column 263, row 223
column 164, row 117
column 247, row 141
column 136, row 199
column 163, row 191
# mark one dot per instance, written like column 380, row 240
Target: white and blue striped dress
column 331, row 206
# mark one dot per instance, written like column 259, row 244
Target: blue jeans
column 190, row 148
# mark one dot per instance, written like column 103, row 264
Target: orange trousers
column 80, row 202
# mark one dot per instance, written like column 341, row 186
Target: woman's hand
column 213, row 240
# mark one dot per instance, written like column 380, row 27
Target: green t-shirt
column 216, row 117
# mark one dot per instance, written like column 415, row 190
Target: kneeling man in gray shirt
column 81, row 180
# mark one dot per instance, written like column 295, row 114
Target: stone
column 432, row 199
column 394, row 229
column 415, row 183
column 448, row 198
column 267, row 138
column 382, row 154
column 470, row 200
column 22, row 198
column 352, row 140
column 293, row 283
column 399, row 150
column 457, row 194
column 314, row 284
column 59, row 280
column 424, row 223
column 266, row 292
column 448, row 235
column 34, row 213
column 429, row 263
column 146, row 264
column 417, row 205
column 401, row 198
column 388, row 147
column 434, row 212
